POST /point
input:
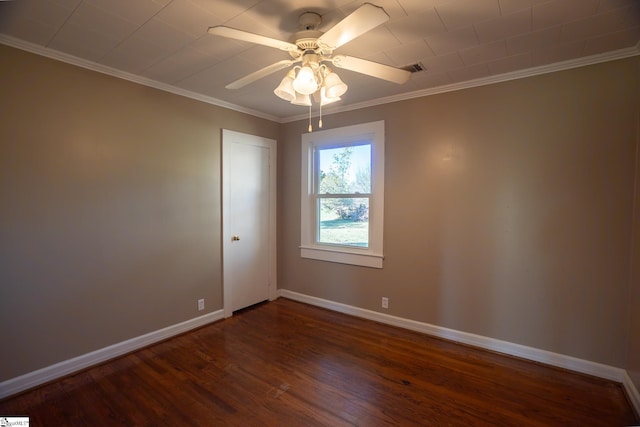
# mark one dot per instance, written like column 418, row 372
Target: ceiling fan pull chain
column 310, row 127
column 320, row 121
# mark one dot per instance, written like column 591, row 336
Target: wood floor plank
column 287, row 363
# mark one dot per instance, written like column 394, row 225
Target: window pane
column 344, row 221
column 345, row 170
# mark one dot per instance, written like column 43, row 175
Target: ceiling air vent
column 414, row 68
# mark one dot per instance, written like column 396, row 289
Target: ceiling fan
column 312, row 49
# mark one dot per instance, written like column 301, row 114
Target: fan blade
column 245, row 36
column 381, row 71
column 257, row 75
column 363, row 19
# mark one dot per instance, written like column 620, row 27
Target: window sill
column 342, row 257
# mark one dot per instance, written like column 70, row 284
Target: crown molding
column 514, row 75
column 100, row 68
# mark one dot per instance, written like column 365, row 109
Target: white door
column 248, row 193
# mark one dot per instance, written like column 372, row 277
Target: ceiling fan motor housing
column 307, row 39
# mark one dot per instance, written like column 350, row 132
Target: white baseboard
column 567, row 362
column 66, row 367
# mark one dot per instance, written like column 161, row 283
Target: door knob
column 235, row 238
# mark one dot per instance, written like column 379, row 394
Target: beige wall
column 110, row 219
column 633, row 362
column 523, row 235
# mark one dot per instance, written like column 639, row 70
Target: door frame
column 228, row 137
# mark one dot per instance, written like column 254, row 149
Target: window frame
column 373, row 256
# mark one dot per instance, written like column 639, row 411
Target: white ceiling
column 166, row 41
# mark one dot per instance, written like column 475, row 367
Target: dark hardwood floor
column 289, row 364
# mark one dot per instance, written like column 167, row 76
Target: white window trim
column 309, row 247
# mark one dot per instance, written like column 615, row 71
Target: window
column 342, row 195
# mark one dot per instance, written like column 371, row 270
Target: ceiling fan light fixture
column 326, row 100
column 305, row 82
column 285, row 89
column 301, row 99
column 333, row 85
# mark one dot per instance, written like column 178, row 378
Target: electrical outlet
column 385, row 302
column 201, row 304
